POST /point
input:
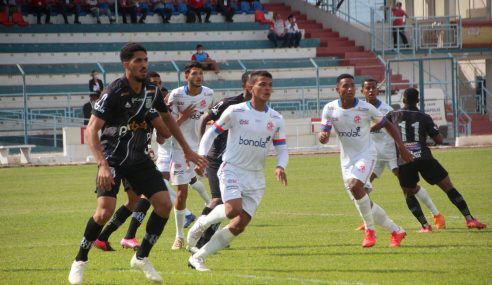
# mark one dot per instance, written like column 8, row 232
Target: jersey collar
column 356, row 101
column 186, row 90
column 248, row 104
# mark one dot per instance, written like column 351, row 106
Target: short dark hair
column 245, row 77
column 259, row 73
column 129, row 49
column 192, row 65
column 411, row 96
column 343, row 76
column 199, row 46
column 290, row 16
column 151, row 74
column 369, row 80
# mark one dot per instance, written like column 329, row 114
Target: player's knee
column 231, row 213
column 237, row 229
column 103, row 215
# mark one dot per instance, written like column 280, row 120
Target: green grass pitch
column 302, row 234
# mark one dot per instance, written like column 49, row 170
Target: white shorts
column 163, row 161
column 381, row 164
column 361, row 169
column 239, row 183
column 181, row 173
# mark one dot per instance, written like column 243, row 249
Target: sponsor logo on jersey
column 180, row 103
column 98, row 106
column 244, row 122
column 132, row 126
column 357, row 119
column 238, row 110
column 269, row 126
column 196, row 115
column 148, row 102
column 128, row 105
column 256, row 143
column 350, row 134
column 231, row 181
column 363, row 109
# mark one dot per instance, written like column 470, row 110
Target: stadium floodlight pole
column 24, row 95
column 178, row 71
column 318, row 114
column 101, row 68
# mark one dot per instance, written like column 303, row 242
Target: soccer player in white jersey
column 253, row 127
column 386, row 157
column 187, row 103
column 352, row 120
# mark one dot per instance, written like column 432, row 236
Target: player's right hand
column 187, row 112
column 105, row 179
column 323, row 137
column 200, row 161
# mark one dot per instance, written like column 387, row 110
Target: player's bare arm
column 281, row 175
column 161, row 129
column 324, row 137
column 437, row 139
column 393, row 132
column 104, row 176
column 190, row 155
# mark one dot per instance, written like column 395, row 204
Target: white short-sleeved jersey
column 180, row 100
column 353, row 128
column 251, row 133
column 385, row 145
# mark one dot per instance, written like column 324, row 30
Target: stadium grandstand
column 45, row 68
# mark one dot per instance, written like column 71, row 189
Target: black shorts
column 213, row 181
column 143, row 178
column 430, row 169
column 126, row 185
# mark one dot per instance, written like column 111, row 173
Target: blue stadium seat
column 257, row 6
column 182, row 8
column 246, row 8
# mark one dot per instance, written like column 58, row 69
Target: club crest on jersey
column 128, row 105
column 203, row 103
column 269, row 126
column 244, row 122
column 357, row 119
column 362, row 168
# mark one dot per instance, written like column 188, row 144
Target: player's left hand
column 281, row 175
column 200, row 161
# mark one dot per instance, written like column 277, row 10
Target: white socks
column 219, row 240
column 172, row 195
column 217, row 215
column 200, row 188
column 364, row 207
column 382, row 219
column 424, row 197
column 180, row 221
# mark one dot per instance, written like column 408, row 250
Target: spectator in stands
column 277, row 30
column 294, row 35
column 143, row 7
column 225, row 8
column 161, row 7
column 96, row 10
column 95, row 84
column 206, row 61
column 197, row 7
column 64, row 6
column 40, row 7
column 128, row 7
column 87, row 108
column 399, row 16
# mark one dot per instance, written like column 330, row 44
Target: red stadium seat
column 4, row 19
column 19, row 20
